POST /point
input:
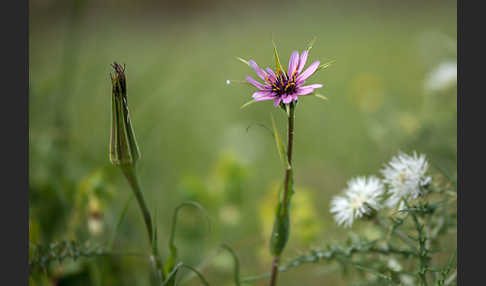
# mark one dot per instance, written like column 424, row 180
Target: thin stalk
column 422, row 251
column 288, row 178
column 288, row 171
column 273, row 275
column 400, row 234
column 130, row 174
column 423, row 257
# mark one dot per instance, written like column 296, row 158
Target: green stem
column 274, row 273
column 400, row 234
column 287, row 188
column 422, row 251
column 288, row 171
column 130, row 173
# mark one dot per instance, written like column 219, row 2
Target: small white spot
column 228, row 81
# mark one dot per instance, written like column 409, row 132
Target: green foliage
column 42, row 255
column 280, row 146
column 170, row 263
column 236, row 263
column 186, row 117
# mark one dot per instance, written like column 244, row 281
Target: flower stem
column 423, row 252
column 130, row 174
column 273, row 277
column 288, row 171
column 400, row 234
column 287, row 188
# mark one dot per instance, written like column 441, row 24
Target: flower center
column 358, row 202
column 284, row 84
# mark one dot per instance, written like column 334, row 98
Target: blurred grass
column 188, row 122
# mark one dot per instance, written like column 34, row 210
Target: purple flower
column 283, row 86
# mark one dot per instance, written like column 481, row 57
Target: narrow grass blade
column 172, row 247
column 201, row 277
column 248, row 103
column 279, row 143
column 236, row 262
column 171, row 276
column 119, row 221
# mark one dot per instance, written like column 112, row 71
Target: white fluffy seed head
column 361, row 197
column 405, row 177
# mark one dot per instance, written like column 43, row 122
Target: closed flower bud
column 123, row 145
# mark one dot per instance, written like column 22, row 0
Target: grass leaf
column 168, row 267
column 248, row 103
column 201, row 277
column 279, row 144
column 236, row 262
column 119, row 221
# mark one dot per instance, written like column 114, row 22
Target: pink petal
column 316, row 85
column 294, row 97
column 308, row 72
column 277, row 101
column 271, row 74
column 263, row 98
column 302, row 60
column 263, row 95
column 286, row 98
column 255, row 83
column 293, row 62
column 304, row 90
column 261, row 73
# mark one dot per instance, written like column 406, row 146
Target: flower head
column 405, row 176
column 284, row 86
column 361, row 198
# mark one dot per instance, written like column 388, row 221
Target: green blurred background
column 392, row 87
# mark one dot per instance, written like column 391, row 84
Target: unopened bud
column 123, row 145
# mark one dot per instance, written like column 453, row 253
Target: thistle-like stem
column 287, row 188
column 130, row 174
column 400, row 234
column 423, row 252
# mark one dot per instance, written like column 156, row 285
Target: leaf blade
column 279, row 144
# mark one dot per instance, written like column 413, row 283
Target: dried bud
column 123, row 145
